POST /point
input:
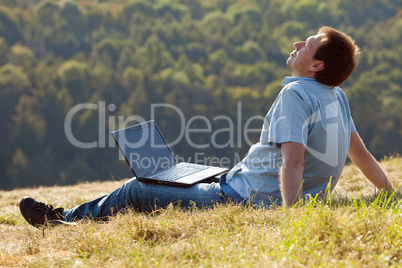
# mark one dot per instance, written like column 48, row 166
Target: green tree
column 13, row 83
column 142, row 7
column 47, row 11
column 109, row 47
column 250, row 52
column 74, row 20
column 216, row 24
column 218, row 60
column 21, row 56
column 175, row 10
column 3, row 51
column 9, row 28
column 74, row 76
column 158, row 58
column 195, row 7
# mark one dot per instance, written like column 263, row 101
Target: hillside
column 73, row 71
column 358, row 228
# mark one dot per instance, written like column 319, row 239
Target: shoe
column 39, row 214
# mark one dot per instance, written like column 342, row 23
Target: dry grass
column 358, row 228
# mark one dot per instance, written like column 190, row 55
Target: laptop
column 151, row 160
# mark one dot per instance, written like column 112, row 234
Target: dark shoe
column 39, row 214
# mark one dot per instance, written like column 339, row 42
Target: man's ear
column 318, row 66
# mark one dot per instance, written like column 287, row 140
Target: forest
column 173, row 61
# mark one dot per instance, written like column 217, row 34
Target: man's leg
column 146, row 197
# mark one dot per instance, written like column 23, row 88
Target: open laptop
column 151, row 160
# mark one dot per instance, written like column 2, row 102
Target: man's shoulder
column 339, row 91
column 304, row 84
column 297, row 88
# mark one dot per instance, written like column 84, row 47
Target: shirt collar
column 290, row 79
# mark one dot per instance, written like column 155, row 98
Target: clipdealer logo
column 329, row 156
column 187, row 128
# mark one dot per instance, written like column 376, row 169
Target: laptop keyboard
column 179, row 171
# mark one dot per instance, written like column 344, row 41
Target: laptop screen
column 144, row 148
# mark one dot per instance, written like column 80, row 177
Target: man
column 306, row 137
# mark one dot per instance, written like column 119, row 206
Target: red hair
column 339, row 53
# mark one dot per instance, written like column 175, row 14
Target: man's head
column 329, row 57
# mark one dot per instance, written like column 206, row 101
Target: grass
column 357, row 227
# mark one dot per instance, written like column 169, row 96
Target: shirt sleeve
column 345, row 100
column 290, row 119
column 352, row 126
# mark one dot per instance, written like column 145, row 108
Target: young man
column 306, row 137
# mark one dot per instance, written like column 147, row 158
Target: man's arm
column 291, row 173
column 363, row 159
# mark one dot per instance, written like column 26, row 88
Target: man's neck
column 309, row 75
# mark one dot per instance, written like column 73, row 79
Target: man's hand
column 291, row 173
column 362, row 158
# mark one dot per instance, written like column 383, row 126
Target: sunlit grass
column 357, row 226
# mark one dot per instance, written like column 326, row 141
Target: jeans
column 147, row 197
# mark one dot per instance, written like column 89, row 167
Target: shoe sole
column 22, row 211
column 49, row 223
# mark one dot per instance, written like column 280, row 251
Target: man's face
column 301, row 61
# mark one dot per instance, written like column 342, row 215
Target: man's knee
column 132, row 183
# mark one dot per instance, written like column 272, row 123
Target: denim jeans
column 147, row 197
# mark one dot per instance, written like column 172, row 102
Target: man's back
column 308, row 113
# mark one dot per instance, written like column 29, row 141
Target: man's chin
column 289, row 62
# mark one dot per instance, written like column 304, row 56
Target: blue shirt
column 306, row 112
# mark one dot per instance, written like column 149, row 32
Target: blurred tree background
column 219, row 59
